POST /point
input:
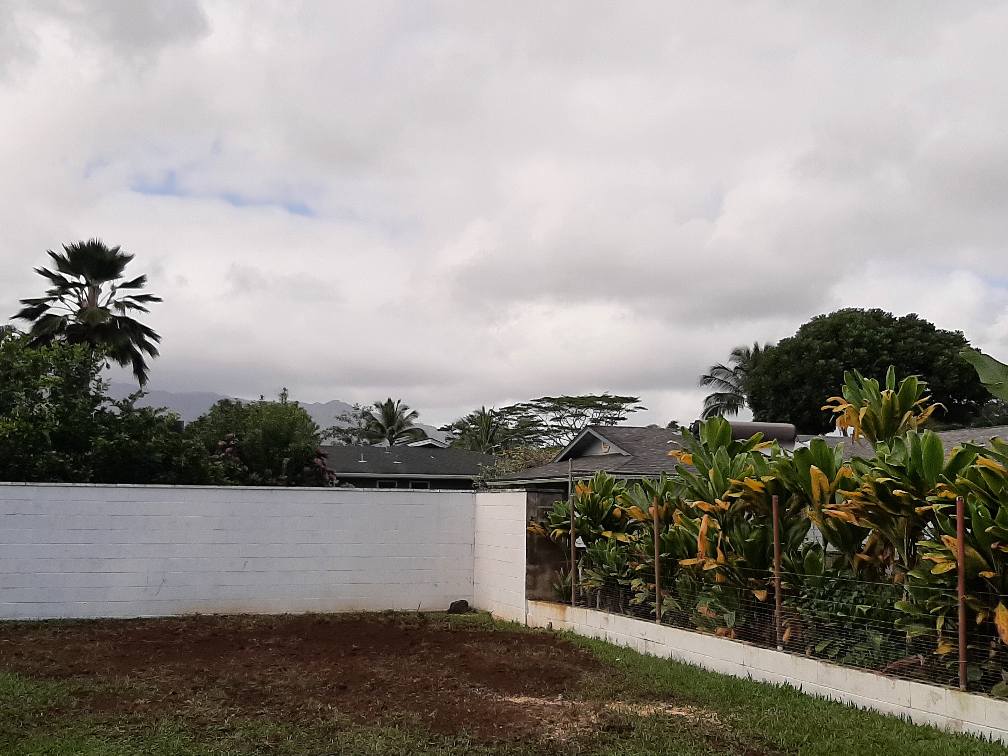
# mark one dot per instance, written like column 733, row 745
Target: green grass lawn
column 639, row 705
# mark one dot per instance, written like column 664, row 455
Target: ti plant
column 718, row 460
column 606, row 574
column 931, row 606
column 599, row 513
column 896, row 495
column 831, row 614
column 820, row 478
column 727, row 508
column 645, row 500
column 866, row 409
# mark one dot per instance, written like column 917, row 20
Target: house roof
column 961, row 436
column 635, row 452
column 949, row 438
column 357, row 461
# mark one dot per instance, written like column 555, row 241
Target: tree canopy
column 57, row 423
column 792, row 380
column 492, row 431
column 391, row 422
column 89, row 303
column 556, row 420
column 263, row 442
column 730, row 382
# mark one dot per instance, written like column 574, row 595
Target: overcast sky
column 477, row 203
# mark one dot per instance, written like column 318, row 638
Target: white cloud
column 467, row 203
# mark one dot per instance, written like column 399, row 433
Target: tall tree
column 57, row 423
column 392, row 422
column 491, row 431
column 792, row 380
column 349, row 428
column 730, row 382
column 553, row 421
column 263, row 442
column 86, row 305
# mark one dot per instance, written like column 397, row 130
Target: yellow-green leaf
column 1001, row 621
column 820, row 484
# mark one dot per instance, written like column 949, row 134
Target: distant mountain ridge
column 191, row 404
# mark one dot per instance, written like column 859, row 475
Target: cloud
column 466, row 204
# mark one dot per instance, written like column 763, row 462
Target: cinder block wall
column 124, row 551
column 499, row 554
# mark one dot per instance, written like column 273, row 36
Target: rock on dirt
column 459, row 607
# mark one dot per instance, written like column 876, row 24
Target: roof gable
column 585, row 440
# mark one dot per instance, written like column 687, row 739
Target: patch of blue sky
column 167, row 185
column 294, row 207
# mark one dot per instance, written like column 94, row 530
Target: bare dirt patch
column 366, row 668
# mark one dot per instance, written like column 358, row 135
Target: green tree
column 552, row 421
column 792, row 380
column 350, row 428
column 148, row 445
column 492, row 431
column 730, row 382
column 87, row 305
column 58, row 425
column 262, row 442
column 392, row 422
column 49, row 400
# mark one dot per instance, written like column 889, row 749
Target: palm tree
column 392, row 422
column 84, row 306
column 481, row 431
column 730, row 382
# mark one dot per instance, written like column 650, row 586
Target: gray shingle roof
column 961, row 436
column 405, row 460
column 647, row 452
column 950, row 439
column 647, row 455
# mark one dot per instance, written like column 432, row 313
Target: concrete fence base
column 946, row 708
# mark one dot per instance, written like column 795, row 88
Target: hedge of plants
column 869, row 563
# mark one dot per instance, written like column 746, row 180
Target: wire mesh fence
column 888, row 625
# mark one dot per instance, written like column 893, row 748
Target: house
column 949, row 438
column 428, row 443
column 627, row 452
column 406, row 466
column 622, row 451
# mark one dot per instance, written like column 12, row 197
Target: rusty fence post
column 961, row 587
column 777, row 569
column 573, row 532
column 657, row 564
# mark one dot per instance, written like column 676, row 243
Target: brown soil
column 370, row 669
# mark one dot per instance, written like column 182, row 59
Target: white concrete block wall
column 121, row 551
column 499, row 554
column 949, row 709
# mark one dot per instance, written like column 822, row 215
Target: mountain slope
column 191, row 404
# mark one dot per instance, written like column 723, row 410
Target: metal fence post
column 777, row 570
column 657, row 564
column 961, row 587
column 573, row 532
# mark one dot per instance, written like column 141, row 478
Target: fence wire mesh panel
column 869, row 625
column 642, row 556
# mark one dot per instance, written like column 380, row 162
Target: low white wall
column 924, row 704
column 122, row 551
column 499, row 554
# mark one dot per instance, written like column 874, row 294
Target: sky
column 468, row 203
